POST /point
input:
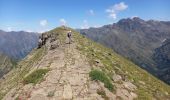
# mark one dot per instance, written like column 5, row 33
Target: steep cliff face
column 135, row 39
column 80, row 70
column 17, row 44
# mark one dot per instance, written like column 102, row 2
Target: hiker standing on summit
column 69, row 36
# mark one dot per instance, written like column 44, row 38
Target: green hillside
column 148, row 87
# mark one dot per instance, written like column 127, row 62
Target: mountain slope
column 134, row 39
column 162, row 57
column 6, row 64
column 81, row 70
column 17, row 44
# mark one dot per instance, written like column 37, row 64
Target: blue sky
column 42, row 15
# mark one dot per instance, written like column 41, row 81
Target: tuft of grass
column 17, row 98
column 101, row 76
column 103, row 94
column 51, row 94
column 35, row 76
column 144, row 95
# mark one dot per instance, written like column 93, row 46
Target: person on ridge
column 39, row 42
column 69, row 36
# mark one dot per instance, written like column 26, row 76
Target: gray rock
column 125, row 95
column 141, row 82
column 116, row 78
column 129, row 86
column 67, row 94
column 53, row 46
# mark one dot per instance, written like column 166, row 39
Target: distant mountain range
column 13, row 47
column 137, row 40
column 17, row 44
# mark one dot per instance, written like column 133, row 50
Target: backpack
column 69, row 34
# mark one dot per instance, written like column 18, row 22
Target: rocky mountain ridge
column 81, row 70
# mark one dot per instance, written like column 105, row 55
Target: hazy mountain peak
column 131, row 22
column 137, row 19
column 134, row 19
column 17, row 44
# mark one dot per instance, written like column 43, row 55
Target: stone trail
column 68, row 79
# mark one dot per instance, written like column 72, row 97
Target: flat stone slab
column 53, row 76
column 129, row 86
column 39, row 97
column 117, row 78
column 67, row 94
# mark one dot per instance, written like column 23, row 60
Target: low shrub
column 103, row 94
column 51, row 94
column 101, row 76
column 35, row 76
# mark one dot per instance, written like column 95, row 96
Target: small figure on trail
column 69, row 36
column 44, row 39
column 39, row 42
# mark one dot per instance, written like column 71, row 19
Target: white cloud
column 63, row 21
column 9, row 29
column 97, row 26
column 85, row 25
column 85, row 21
column 91, row 12
column 121, row 6
column 113, row 15
column 43, row 30
column 43, row 22
column 28, row 30
column 112, row 11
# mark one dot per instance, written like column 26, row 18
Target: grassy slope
column 6, row 64
column 114, row 63
column 16, row 76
